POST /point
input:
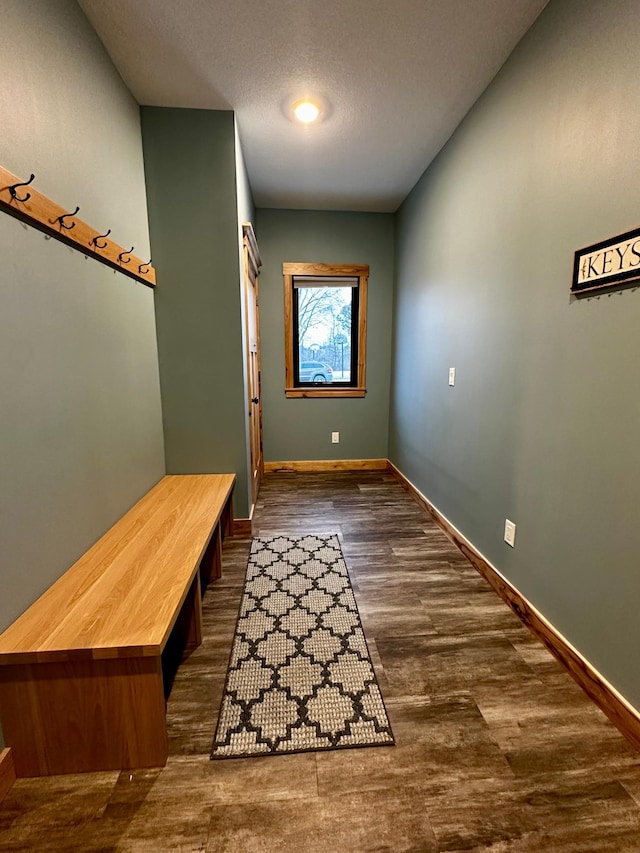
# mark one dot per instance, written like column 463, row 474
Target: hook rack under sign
column 46, row 215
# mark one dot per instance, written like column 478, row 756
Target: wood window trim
column 289, row 270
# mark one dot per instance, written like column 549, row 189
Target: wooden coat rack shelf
column 21, row 200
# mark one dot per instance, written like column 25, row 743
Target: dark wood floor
column 497, row 748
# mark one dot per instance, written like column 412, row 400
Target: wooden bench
column 81, row 675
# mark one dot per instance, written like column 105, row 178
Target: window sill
column 325, row 391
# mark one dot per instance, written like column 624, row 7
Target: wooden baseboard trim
column 7, row 772
column 319, row 465
column 621, row 713
column 242, row 528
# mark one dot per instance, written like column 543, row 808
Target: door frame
column 252, row 263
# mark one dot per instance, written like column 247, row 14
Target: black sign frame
column 606, row 281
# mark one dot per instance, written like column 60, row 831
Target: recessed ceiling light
column 306, row 111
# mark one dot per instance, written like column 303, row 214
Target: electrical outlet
column 335, row 438
column 510, row 533
column 452, row 376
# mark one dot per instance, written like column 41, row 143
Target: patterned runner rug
column 300, row 676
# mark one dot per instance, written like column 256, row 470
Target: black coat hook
column 12, row 189
column 147, row 265
column 122, row 254
column 64, row 216
column 95, row 243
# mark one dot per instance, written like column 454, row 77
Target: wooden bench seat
column 81, row 677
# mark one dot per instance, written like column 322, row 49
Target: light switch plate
column 452, row 376
column 335, row 438
column 510, row 533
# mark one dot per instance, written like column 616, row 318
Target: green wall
column 299, row 429
column 80, row 418
column 190, row 167
column 542, row 425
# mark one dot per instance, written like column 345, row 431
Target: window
column 325, row 309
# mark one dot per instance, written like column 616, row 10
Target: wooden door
column 252, row 264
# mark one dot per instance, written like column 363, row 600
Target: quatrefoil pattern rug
column 300, row 676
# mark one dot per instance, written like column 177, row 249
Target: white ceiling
column 397, row 75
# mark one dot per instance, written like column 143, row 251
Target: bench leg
column 193, row 611
column 211, row 565
column 77, row 716
column 226, row 519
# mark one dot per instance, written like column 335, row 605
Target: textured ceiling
column 396, row 78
